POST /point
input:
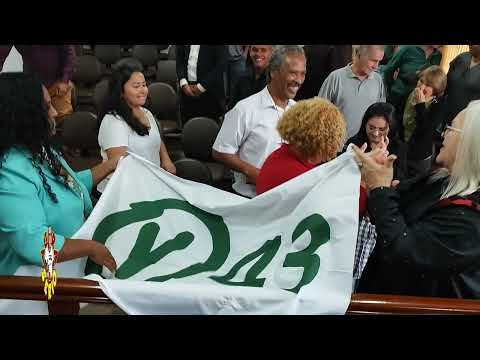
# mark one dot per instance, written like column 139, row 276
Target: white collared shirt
column 250, row 130
column 192, row 67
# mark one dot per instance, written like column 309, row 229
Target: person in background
column 54, row 65
column 200, row 70
column 254, row 79
column 400, row 74
column 390, row 50
column 127, row 125
column 425, row 117
column 428, row 228
column 356, row 86
column 235, row 66
column 249, row 132
column 463, row 81
column 321, row 61
column 378, row 129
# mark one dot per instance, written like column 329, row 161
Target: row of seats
column 79, row 137
column 108, row 54
column 190, row 149
column 162, row 101
column 89, row 74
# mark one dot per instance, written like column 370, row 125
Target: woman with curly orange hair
column 313, row 132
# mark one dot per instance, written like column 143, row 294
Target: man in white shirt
column 200, row 70
column 249, row 132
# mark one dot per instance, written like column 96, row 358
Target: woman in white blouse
column 127, row 125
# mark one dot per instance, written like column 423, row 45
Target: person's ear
column 273, row 74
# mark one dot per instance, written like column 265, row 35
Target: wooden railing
column 65, row 301
column 370, row 304
column 70, row 292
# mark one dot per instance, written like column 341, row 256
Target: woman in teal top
column 37, row 187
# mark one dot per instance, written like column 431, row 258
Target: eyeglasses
column 450, row 128
column 373, row 129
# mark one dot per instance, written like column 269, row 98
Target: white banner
column 187, row 248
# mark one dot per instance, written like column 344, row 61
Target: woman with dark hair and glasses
column 127, row 125
column 37, row 187
column 379, row 129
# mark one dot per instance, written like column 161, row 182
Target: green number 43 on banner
column 142, row 255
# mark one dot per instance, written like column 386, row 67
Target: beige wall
column 449, row 52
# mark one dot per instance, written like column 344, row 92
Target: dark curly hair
column 24, row 123
column 115, row 104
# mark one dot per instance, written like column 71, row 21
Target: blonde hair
column 465, row 175
column 435, row 77
column 313, row 127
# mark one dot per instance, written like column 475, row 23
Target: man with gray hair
column 249, row 132
column 356, row 86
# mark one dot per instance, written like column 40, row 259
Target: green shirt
column 389, row 50
column 409, row 59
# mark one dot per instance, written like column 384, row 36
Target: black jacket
column 212, row 63
column 422, row 250
column 463, row 84
column 429, row 125
column 247, row 85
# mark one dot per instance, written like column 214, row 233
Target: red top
column 283, row 165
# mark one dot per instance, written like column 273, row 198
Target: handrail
column 70, row 292
column 31, row 288
column 375, row 304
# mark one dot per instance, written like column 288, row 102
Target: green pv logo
column 142, row 255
